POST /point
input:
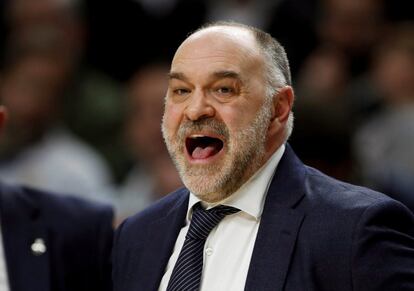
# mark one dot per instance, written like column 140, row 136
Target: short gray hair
column 276, row 61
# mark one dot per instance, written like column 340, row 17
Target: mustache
column 216, row 126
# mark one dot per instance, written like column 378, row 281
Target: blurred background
column 84, row 82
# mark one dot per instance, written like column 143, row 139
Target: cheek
column 172, row 117
column 237, row 118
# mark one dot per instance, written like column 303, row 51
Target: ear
column 282, row 106
column 3, row 117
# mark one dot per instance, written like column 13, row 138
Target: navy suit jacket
column 77, row 235
column 316, row 233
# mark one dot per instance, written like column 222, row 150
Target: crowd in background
column 84, row 83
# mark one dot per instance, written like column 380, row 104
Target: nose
column 199, row 107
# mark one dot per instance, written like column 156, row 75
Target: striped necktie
column 186, row 275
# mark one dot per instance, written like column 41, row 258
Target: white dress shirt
column 4, row 282
column 229, row 246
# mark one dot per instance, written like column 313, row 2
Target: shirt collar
column 250, row 197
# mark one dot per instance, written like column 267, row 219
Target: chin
column 210, row 189
column 210, row 197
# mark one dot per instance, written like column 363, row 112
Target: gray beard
column 245, row 155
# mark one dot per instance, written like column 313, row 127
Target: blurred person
column 347, row 32
column 48, row 22
column 51, row 242
column 332, row 76
column 153, row 174
column 299, row 37
column 353, row 27
column 55, row 26
column 331, row 85
column 323, row 126
column 384, row 143
column 252, row 216
column 92, row 98
column 38, row 150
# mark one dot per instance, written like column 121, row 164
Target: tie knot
column 203, row 221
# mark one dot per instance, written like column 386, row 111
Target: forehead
column 218, row 48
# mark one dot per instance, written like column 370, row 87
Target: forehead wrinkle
column 216, row 75
column 219, row 51
column 221, row 65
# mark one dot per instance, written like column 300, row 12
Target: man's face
column 216, row 115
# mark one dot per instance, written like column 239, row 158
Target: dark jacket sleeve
column 383, row 248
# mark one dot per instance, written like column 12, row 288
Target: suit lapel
column 279, row 226
column 160, row 243
column 27, row 264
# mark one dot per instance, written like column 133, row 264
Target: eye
column 225, row 90
column 181, row 91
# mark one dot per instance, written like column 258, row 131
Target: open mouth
column 203, row 147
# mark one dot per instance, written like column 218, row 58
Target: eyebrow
column 217, row 75
column 227, row 74
column 177, row 75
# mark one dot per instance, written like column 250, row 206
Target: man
column 52, row 243
column 226, row 121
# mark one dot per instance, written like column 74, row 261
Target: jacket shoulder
column 324, row 191
column 68, row 207
column 64, row 213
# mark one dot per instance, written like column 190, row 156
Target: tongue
column 203, row 153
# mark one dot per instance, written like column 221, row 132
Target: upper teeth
column 196, row 135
